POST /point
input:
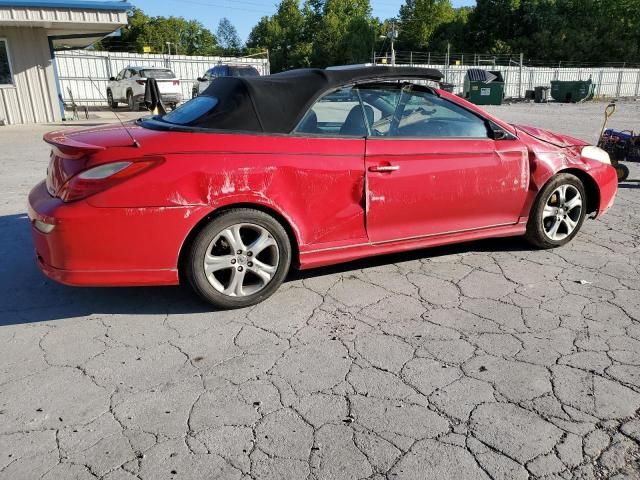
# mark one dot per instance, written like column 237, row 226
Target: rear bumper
column 108, row 278
column 91, row 246
column 165, row 97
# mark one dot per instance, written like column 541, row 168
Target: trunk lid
column 169, row 86
column 76, row 150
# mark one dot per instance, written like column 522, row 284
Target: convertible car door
column 330, row 174
column 432, row 168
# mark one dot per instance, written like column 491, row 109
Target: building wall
column 62, row 15
column 33, row 97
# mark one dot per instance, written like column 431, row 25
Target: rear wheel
column 558, row 212
column 239, row 259
column 110, row 101
column 133, row 106
column 622, row 171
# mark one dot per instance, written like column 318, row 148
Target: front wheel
column 112, row 104
column 239, row 259
column 558, row 212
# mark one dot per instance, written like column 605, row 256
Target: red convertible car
column 304, row 168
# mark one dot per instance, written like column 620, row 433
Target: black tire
column 195, row 258
column 194, row 93
column 131, row 103
column 536, row 227
column 623, row 172
column 110, row 101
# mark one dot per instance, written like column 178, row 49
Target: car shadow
column 28, row 296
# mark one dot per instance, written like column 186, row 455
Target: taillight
column 176, row 82
column 141, row 82
column 101, row 177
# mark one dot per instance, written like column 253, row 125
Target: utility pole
column 520, row 76
column 169, row 47
column 393, row 34
column 446, row 69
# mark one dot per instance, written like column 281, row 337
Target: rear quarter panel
column 316, row 184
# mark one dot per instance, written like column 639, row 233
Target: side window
column 337, row 113
column 127, row 73
column 120, row 75
column 6, row 75
column 423, row 114
column 381, row 103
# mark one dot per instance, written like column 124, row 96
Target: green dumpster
column 483, row 87
column 572, row 91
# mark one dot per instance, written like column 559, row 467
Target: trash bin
column 541, row 95
column 483, row 87
column 572, row 91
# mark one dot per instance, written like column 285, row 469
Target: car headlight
column 596, row 153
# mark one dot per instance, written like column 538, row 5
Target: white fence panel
column 85, row 73
column 609, row 82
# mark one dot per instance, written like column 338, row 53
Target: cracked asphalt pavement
column 487, row 360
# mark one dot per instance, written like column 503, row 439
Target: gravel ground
column 483, row 360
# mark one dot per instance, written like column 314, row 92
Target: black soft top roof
column 276, row 103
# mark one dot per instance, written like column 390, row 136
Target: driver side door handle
column 384, row 168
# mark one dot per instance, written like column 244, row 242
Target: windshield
column 157, row 73
column 246, row 72
column 193, row 110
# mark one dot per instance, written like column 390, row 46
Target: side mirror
column 112, row 79
column 499, row 134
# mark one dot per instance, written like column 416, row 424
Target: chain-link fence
column 612, row 80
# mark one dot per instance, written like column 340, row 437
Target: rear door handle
column 384, row 168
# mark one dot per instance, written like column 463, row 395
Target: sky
column 244, row 14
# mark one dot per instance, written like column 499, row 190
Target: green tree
column 453, row 33
column 345, row 32
column 419, row 20
column 187, row 37
column 493, row 25
column 285, row 35
column 228, row 37
column 582, row 31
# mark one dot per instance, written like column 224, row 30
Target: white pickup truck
column 129, row 86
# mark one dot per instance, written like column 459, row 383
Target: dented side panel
column 318, row 189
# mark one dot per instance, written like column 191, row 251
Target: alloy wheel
column 562, row 211
column 241, row 260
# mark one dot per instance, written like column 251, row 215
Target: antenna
column 134, row 142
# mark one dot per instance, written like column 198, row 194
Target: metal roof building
column 30, row 31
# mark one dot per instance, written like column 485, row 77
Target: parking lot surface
column 477, row 361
